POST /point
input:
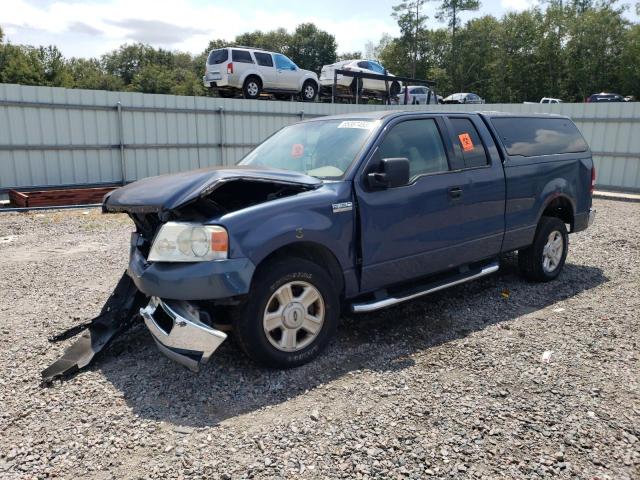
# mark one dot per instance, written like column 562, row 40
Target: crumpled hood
column 171, row 191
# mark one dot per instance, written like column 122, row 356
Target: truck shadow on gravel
column 158, row 389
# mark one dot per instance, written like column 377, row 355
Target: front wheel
column 309, row 92
column 544, row 259
column 290, row 315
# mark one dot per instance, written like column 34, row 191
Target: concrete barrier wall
column 59, row 137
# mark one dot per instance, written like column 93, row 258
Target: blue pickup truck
column 356, row 212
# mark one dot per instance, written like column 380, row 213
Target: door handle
column 455, row 192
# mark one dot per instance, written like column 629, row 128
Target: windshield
column 323, row 149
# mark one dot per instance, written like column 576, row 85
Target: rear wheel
column 290, row 316
column 309, row 91
column 544, row 259
column 394, row 88
column 252, row 87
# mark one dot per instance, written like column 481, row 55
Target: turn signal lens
column 220, row 241
column 593, row 179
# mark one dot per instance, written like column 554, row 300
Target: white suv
column 254, row 71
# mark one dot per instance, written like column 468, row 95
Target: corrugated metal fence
column 58, row 137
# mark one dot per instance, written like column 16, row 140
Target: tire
column 281, row 340
column 309, row 91
column 544, row 259
column 394, row 89
column 252, row 87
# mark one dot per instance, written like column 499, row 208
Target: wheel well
column 310, row 80
column 314, row 252
column 253, row 75
column 560, row 207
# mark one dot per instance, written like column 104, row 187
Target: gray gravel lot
column 450, row 386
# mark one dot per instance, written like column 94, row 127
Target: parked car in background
column 367, row 84
column 545, row 100
column 463, row 98
column 253, row 71
column 605, row 97
column 417, row 95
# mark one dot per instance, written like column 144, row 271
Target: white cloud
column 518, row 5
column 92, row 28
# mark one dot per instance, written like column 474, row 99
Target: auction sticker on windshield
column 357, row 124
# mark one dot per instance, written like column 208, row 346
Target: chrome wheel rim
column 552, row 251
column 309, row 92
column 294, row 316
column 252, row 88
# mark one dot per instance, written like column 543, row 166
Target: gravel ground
column 451, row 386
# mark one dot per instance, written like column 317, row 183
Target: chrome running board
column 433, row 287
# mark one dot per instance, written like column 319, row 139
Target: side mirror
column 293, row 67
column 393, row 172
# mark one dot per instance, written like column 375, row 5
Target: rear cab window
column 532, row 137
column 217, row 57
column 466, row 137
column 263, row 59
column 241, row 56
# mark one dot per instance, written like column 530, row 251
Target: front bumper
column 211, row 280
column 179, row 333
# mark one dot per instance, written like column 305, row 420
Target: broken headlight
column 189, row 242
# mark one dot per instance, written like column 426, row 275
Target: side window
column 263, row 59
column 364, row 65
column 468, row 138
column 241, row 56
column 420, row 142
column 376, row 67
column 283, row 63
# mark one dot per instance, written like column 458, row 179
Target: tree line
column 568, row 50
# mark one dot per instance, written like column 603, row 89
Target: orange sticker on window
column 297, row 150
column 465, row 141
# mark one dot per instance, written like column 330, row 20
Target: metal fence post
column 222, row 139
column 121, row 141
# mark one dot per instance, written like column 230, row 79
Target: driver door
column 412, row 230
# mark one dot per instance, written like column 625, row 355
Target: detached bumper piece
column 117, row 315
column 179, row 332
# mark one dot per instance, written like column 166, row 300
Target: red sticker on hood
column 297, row 150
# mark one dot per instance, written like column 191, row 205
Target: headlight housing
column 189, row 242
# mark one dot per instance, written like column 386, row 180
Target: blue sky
column 93, row 27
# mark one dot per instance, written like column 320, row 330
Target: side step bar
column 429, row 288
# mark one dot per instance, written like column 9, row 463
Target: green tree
column 88, row 74
column 20, row 64
column 449, row 12
column 275, row 40
column 595, row 47
column 348, row 56
column 412, row 24
column 311, row 48
column 1, row 35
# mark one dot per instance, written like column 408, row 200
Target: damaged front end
column 180, row 333
column 177, row 293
